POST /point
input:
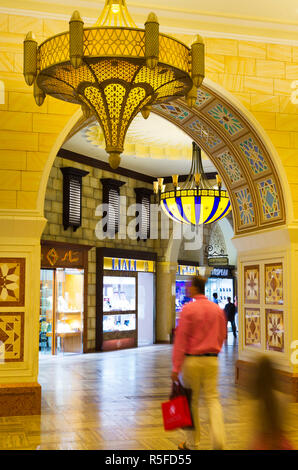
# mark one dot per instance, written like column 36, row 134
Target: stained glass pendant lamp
column 114, row 70
column 196, row 202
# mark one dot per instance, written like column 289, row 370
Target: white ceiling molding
column 267, row 27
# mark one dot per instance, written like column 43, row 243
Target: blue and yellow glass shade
column 196, row 206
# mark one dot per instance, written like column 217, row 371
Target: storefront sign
column 122, row 264
column 218, row 261
column 183, row 270
column 221, row 272
column 57, row 256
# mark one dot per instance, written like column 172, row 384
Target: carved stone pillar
column 20, row 231
column 165, row 294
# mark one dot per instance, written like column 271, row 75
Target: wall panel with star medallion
column 12, row 282
column 275, row 330
column 252, row 327
column 252, row 284
column 274, row 284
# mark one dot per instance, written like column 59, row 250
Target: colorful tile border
column 254, row 156
column 11, row 336
column 225, row 119
column 231, row 167
column 12, row 282
column 269, row 199
column 205, row 133
column 173, row 110
column 203, row 98
column 245, row 207
column 274, row 330
column 252, row 284
column 252, row 327
column 274, row 284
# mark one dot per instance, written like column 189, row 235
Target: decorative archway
column 261, row 202
column 241, row 152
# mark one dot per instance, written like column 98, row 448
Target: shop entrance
column 125, row 299
column 61, row 310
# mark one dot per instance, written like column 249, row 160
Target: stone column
column 165, row 299
column 20, row 231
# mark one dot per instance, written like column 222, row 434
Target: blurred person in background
column 230, row 311
column 270, row 434
column 199, row 338
column 215, row 298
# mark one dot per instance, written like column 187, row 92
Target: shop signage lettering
column 124, row 264
column 61, row 257
column 187, row 270
column 220, row 272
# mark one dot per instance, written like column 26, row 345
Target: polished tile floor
column 112, row 401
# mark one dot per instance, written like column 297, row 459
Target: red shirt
column 202, row 329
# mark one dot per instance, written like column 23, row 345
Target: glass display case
column 119, row 294
column 61, row 310
column 119, row 322
column 119, row 310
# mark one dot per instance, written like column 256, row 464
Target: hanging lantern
column 115, row 69
column 196, row 202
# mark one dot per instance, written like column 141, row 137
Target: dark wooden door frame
column 102, row 253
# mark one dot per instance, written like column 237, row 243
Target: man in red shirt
column 199, row 338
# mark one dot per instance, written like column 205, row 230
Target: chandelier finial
column 76, row 39
column 115, row 13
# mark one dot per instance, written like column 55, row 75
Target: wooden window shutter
column 143, row 197
column 72, row 197
column 111, row 196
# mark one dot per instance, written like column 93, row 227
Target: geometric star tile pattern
column 12, row 282
column 174, row 110
column 274, row 330
column 205, row 133
column 231, row 166
column 245, row 206
column 269, row 199
column 274, row 283
column 254, row 156
column 203, row 97
column 252, row 327
column 226, row 119
column 11, row 336
column 252, row 284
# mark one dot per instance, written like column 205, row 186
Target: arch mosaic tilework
column 237, row 151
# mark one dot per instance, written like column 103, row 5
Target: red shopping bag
column 176, row 413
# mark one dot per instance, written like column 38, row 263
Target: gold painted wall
column 258, row 74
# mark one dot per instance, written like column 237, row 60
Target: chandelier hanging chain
column 197, row 201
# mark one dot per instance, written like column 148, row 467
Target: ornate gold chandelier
column 196, row 202
column 114, row 70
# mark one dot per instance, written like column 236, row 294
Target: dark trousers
column 233, row 324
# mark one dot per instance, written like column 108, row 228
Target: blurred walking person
column 230, row 311
column 270, row 434
column 199, row 338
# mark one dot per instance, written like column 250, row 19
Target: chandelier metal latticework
column 196, row 202
column 114, row 70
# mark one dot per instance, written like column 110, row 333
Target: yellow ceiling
column 272, row 19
